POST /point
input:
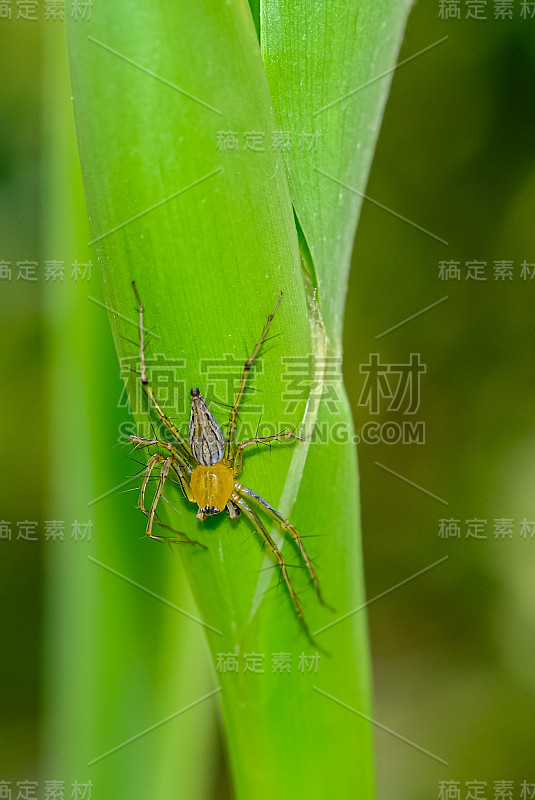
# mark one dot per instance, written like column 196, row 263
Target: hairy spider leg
column 164, row 472
column 279, row 437
column 286, row 525
column 171, row 427
column 281, row 561
column 151, row 463
column 230, row 443
column 181, row 467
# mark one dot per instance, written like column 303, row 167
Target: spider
column 208, row 465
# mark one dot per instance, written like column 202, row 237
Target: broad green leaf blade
column 111, row 662
column 324, row 62
column 209, row 263
column 208, row 233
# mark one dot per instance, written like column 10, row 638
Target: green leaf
column 113, row 663
column 329, row 67
column 209, row 235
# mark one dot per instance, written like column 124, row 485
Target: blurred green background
column 454, row 648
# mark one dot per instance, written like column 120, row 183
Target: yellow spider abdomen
column 212, row 487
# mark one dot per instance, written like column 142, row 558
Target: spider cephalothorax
column 208, row 464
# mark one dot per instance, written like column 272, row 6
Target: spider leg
column 151, row 463
column 230, row 443
column 178, row 456
column 279, row 437
column 287, row 526
column 166, row 463
column 164, row 419
column 233, row 510
column 259, row 527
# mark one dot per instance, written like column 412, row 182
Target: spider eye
column 210, row 510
